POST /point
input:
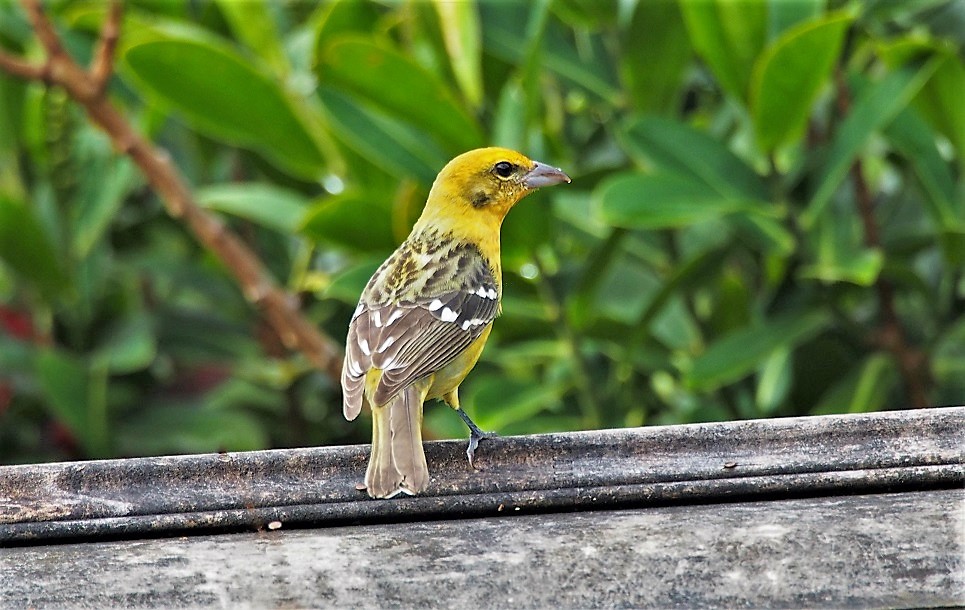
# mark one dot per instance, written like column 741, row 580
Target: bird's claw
column 474, row 437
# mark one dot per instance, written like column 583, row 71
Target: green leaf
column 766, row 233
column 656, row 51
column 359, row 221
column 67, row 385
column 267, row 205
column 734, row 303
column 916, row 143
column 398, row 149
column 774, row 382
column 220, row 93
column 871, row 391
column 865, row 388
column 681, row 149
column 840, row 256
column 789, row 75
column 398, row 85
column 253, row 24
column 348, row 285
column 675, row 326
column 663, row 201
column 96, row 209
column 459, row 22
column 728, row 35
column 128, row 346
column 953, row 245
column 941, row 101
column 12, row 94
column 603, row 260
column 204, row 335
column 948, row 363
column 685, row 277
column 527, row 355
column 785, row 14
column 26, row 248
column 587, row 13
column 546, row 47
column 64, row 380
column 167, row 429
column 863, row 269
column 497, row 402
column 876, row 107
column 526, row 227
column 620, row 291
column 344, row 17
column 741, row 351
column 509, row 124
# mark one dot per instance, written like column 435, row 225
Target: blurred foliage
column 708, row 262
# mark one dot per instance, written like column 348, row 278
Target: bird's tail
column 398, row 462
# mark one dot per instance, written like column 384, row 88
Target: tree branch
column 891, row 335
column 102, row 64
column 87, row 88
column 43, row 28
column 23, row 69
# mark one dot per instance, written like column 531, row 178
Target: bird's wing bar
column 410, row 340
column 460, row 321
column 431, row 335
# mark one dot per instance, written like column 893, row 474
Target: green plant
column 766, row 217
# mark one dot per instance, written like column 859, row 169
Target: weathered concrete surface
column 901, row 450
column 891, row 550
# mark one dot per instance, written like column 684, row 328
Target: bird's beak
column 544, row 175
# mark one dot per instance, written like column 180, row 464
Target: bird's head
column 484, row 184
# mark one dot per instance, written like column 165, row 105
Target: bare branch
column 23, row 69
column 278, row 307
column 86, row 88
column 102, row 65
column 43, row 28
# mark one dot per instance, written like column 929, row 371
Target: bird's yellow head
column 479, row 187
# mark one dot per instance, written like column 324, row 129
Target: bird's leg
column 475, row 433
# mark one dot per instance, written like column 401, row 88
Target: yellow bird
column 426, row 313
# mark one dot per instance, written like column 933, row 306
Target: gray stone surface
column 883, row 550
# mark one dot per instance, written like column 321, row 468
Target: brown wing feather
column 409, row 338
column 430, row 350
column 355, row 366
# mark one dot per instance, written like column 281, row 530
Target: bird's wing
column 418, row 334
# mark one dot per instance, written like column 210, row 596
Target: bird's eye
column 504, row 169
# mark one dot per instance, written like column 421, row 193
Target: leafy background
column 756, row 185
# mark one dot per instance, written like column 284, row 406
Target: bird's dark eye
column 504, row 169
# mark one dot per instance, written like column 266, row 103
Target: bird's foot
column 475, row 435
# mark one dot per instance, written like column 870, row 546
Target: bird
column 425, row 315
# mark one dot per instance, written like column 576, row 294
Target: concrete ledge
column 896, row 550
column 845, row 512
column 703, row 463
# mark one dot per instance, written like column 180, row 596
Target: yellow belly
column 449, row 377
